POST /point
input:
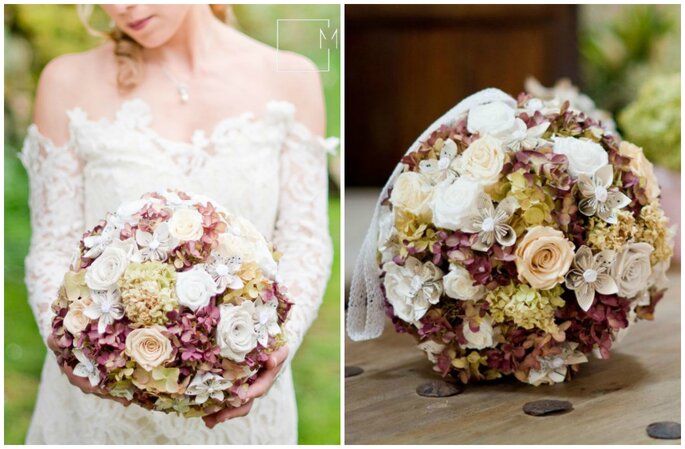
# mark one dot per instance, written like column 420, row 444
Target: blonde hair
column 128, row 52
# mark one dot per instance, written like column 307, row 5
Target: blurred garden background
column 34, row 34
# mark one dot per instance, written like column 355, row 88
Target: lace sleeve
column 301, row 233
column 56, row 202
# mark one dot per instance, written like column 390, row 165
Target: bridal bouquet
column 519, row 239
column 172, row 303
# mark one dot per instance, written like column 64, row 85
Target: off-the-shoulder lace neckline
column 137, row 112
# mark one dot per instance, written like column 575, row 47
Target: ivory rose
column 106, row 270
column 543, row 257
column 412, row 288
column 236, row 334
column 642, row 167
column 75, row 320
column 632, row 270
column 458, row 284
column 148, row 347
column 496, row 118
column 194, row 288
column 412, row 193
column 481, row 339
column 186, row 224
column 454, row 202
column 482, row 161
column 584, row 156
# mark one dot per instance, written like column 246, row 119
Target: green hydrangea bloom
column 148, row 293
column 526, row 306
column 652, row 121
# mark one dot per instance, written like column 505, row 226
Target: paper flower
column 207, row 385
column 156, row 246
column 106, row 307
column 224, row 271
column 597, row 198
column 86, row 368
column 491, row 224
column 590, row 274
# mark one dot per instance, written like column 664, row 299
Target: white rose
column 481, row 339
column 412, row 288
column 632, row 270
column 458, row 284
column 482, row 161
column 194, row 288
column 584, row 156
column 106, row 270
column 454, row 202
column 412, row 192
column 496, row 118
column 235, row 332
column 186, row 224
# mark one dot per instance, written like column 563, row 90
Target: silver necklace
column 181, row 87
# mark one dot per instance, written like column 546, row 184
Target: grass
column 316, row 365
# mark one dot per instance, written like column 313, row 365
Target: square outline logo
column 278, row 49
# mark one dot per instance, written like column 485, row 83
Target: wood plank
column 614, row 400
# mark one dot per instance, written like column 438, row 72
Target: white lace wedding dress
column 270, row 169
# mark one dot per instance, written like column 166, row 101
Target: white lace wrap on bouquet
column 365, row 315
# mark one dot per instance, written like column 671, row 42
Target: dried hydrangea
column 525, row 306
column 652, row 228
column 603, row 235
column 148, row 293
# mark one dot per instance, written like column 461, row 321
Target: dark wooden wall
column 405, row 65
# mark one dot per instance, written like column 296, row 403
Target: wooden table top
column 614, row 400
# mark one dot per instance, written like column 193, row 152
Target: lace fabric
column 365, row 311
column 271, row 170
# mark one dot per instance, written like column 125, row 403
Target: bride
column 176, row 99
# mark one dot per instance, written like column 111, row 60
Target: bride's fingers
column 52, row 344
column 267, row 377
column 226, row 414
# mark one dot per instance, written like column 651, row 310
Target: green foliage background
column 34, row 34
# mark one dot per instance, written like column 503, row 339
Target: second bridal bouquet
column 521, row 238
column 173, row 304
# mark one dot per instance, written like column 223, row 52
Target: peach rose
column 642, row 167
column 148, row 347
column 543, row 257
column 75, row 320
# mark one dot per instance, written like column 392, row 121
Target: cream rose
column 194, row 288
column 236, row 334
column 496, row 118
column 412, row 193
column 642, row 167
column 481, row 339
column 75, row 320
column 458, row 284
column 454, row 202
column 106, row 270
column 482, row 161
column 233, row 243
column 186, row 224
column 584, row 156
column 543, row 257
column 632, row 270
column 148, row 347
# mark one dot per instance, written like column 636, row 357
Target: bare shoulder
column 293, row 78
column 299, row 81
column 64, row 84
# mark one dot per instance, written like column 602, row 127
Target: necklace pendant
column 183, row 93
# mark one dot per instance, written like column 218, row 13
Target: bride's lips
column 138, row 25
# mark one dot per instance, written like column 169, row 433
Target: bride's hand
column 82, row 382
column 259, row 388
